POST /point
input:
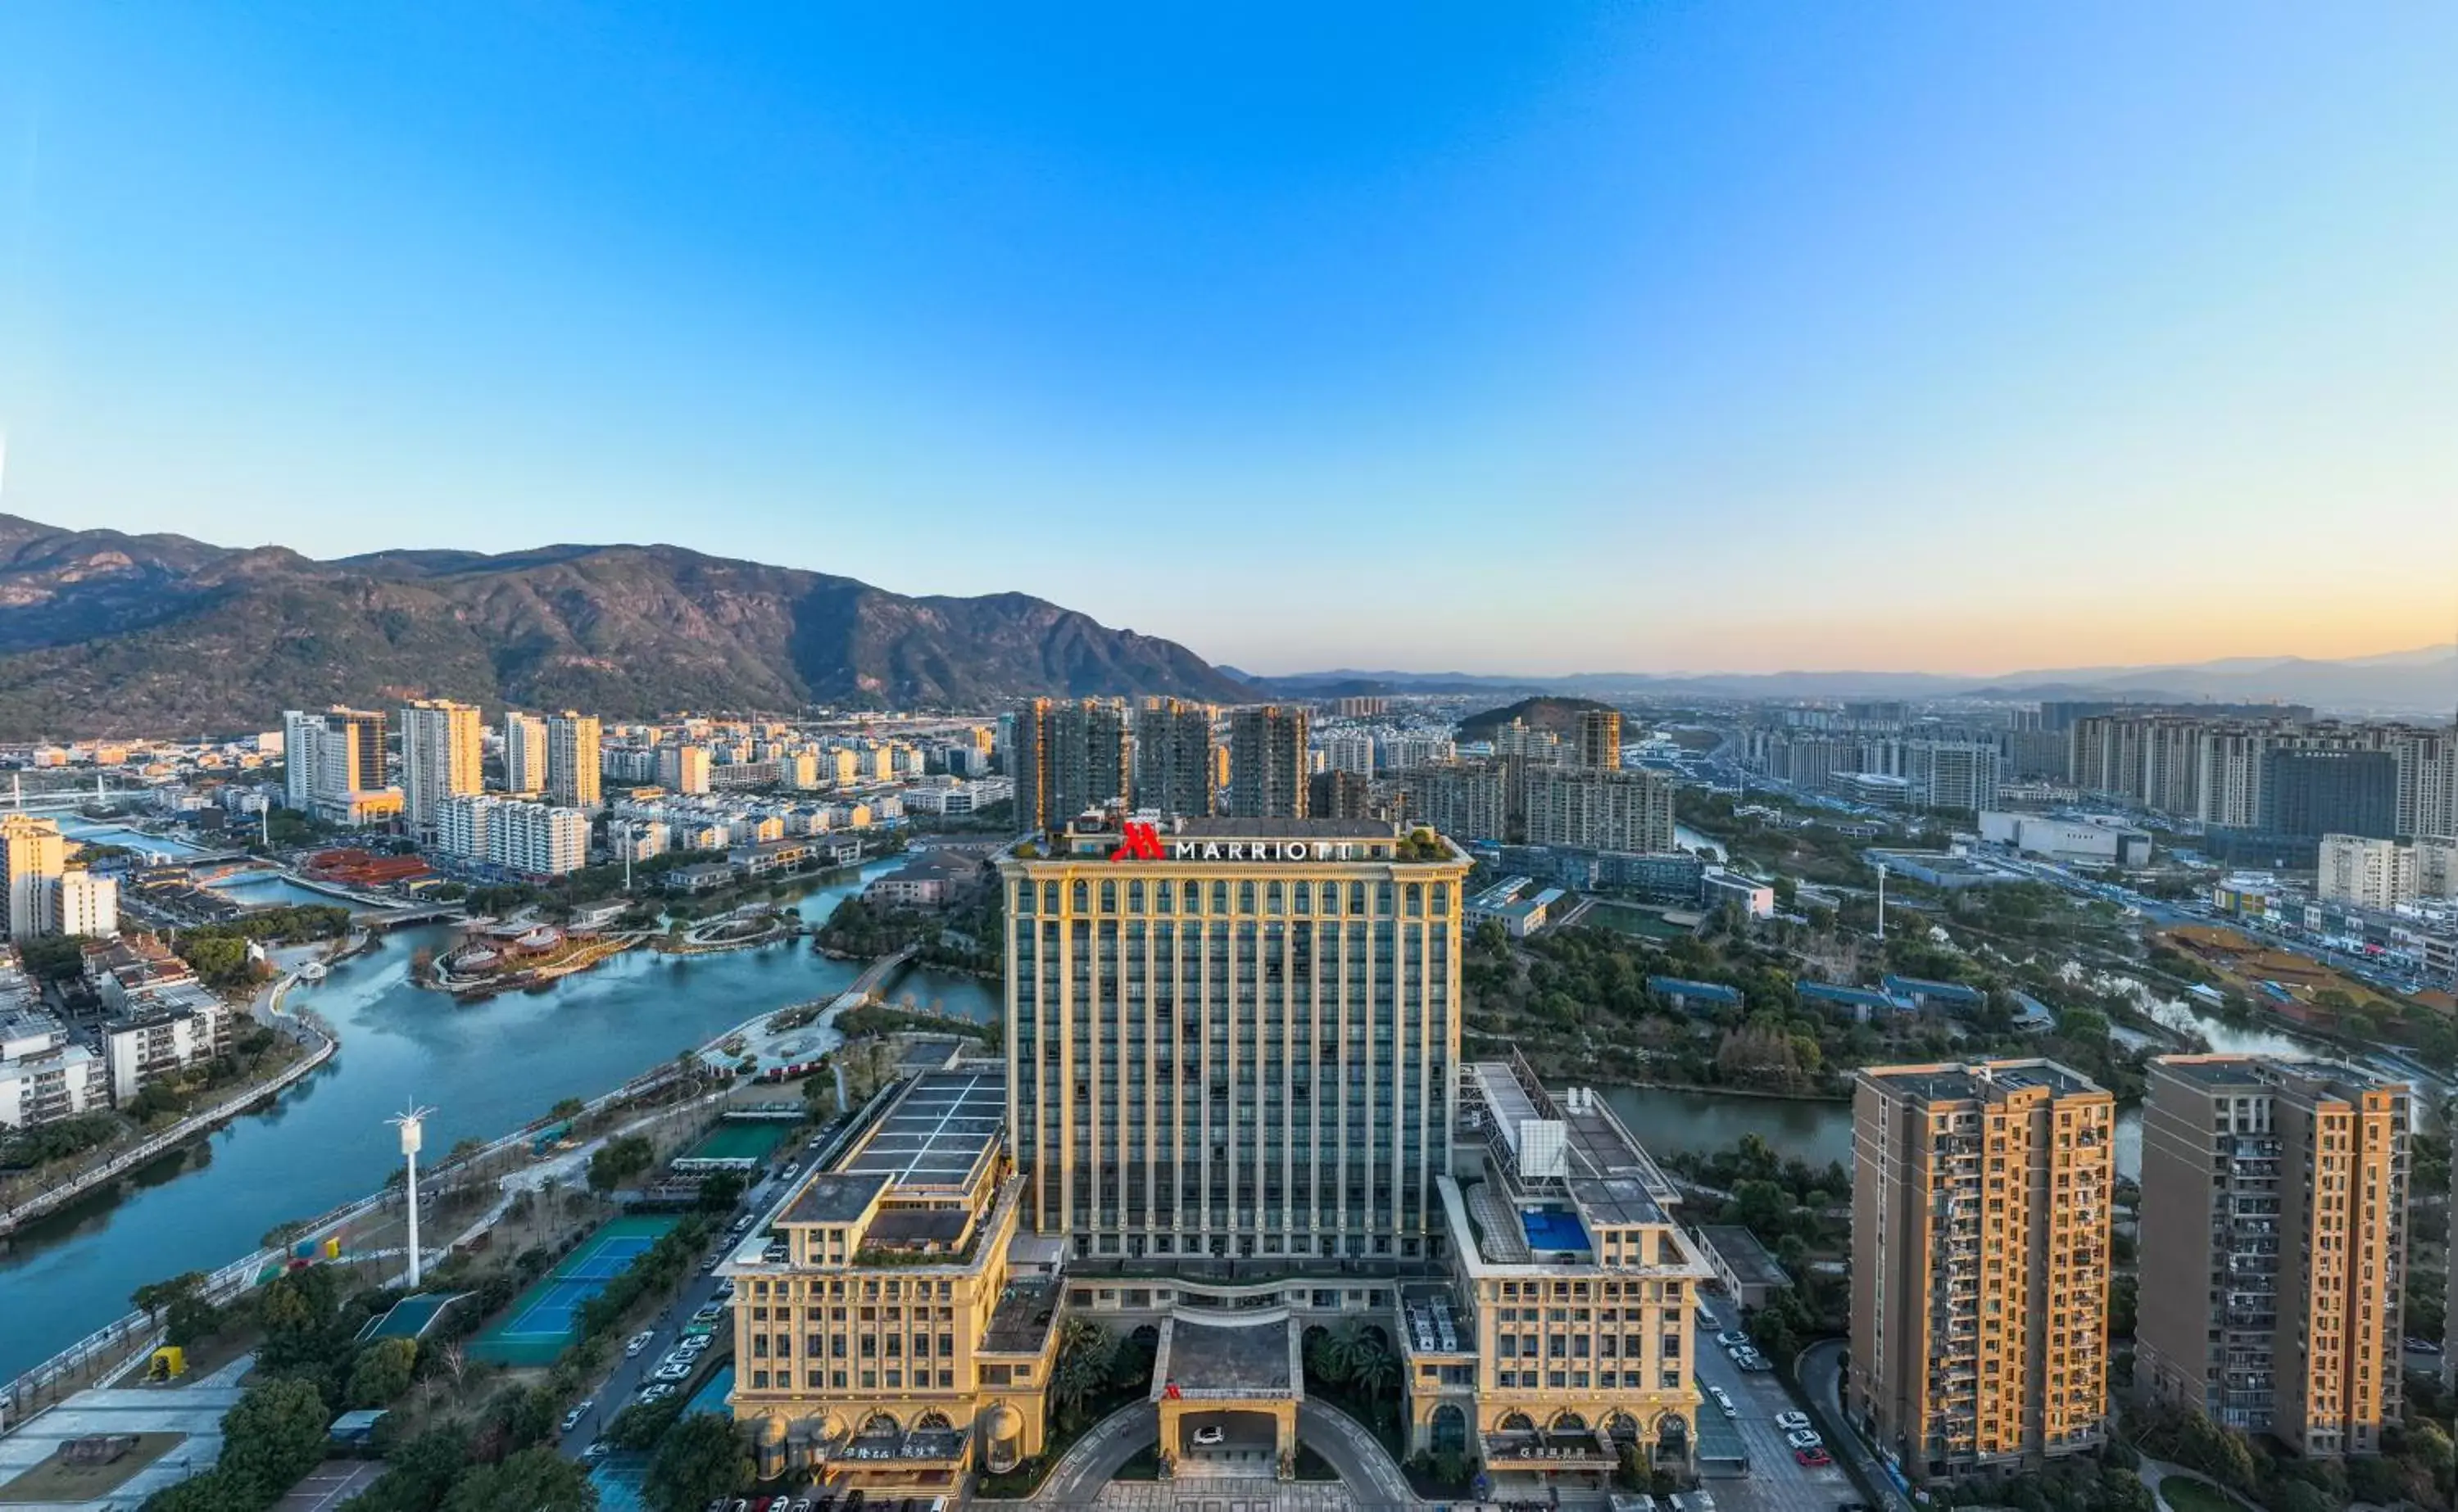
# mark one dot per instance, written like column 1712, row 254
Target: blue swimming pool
column 1554, row 1231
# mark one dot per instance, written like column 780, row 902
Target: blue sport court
column 545, row 1318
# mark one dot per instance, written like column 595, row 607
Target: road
column 622, row 1385
column 1776, row 1482
column 1820, row 1372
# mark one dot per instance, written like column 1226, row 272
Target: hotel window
column 1300, row 898
column 1050, row 897
column 1220, row 897
column 1081, row 894
column 1246, row 897
column 1271, row 898
column 1135, row 898
column 1023, row 906
column 1441, row 899
column 1108, row 898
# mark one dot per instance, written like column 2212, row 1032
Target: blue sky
column 1506, row 338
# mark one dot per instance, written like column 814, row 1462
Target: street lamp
column 412, row 1125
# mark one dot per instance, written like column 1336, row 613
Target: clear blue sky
column 1644, row 336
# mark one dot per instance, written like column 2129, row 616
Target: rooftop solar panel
column 938, row 1131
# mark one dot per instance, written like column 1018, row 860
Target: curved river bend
column 487, row 1067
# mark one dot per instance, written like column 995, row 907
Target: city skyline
column 1863, row 329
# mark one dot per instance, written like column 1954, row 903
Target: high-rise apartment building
column 1267, row 762
column 1244, row 1046
column 79, row 902
column 1468, row 802
column 334, row 765
column 2367, row 872
column 1337, row 795
column 574, row 764
column 439, row 759
column 1350, row 750
column 683, row 768
column 1951, row 773
column 1981, row 1202
column 1174, row 758
column 33, row 854
column 534, row 839
column 1600, row 740
column 2273, row 1247
column 525, row 762
column 1617, row 810
column 1068, row 758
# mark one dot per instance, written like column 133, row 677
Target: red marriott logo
column 1141, row 842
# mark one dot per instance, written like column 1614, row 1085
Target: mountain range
column 2416, row 683
column 106, row 634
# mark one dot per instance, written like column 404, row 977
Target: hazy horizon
column 1940, row 338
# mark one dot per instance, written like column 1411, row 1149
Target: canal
column 485, row 1068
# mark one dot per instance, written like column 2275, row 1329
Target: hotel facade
column 1231, row 1112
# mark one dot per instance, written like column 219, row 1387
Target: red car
column 1813, row 1459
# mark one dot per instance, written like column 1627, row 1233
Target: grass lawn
column 2180, row 1494
column 54, row 1481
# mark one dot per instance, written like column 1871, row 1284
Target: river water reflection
column 487, row 1067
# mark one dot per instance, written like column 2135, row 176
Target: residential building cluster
column 162, row 1022
column 43, row 893
column 2273, row 1255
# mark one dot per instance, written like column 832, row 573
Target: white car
column 690, row 1348
column 1732, row 1338
column 1804, row 1438
column 1792, row 1421
column 678, row 1371
column 657, row 1392
column 1724, row 1401
column 579, row 1410
column 638, row 1343
column 1206, row 1437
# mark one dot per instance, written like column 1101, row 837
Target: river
column 487, row 1067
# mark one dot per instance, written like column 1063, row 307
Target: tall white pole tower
column 412, row 1125
column 1882, row 903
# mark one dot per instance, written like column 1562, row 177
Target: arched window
column 1135, row 898
column 1300, row 898
column 1569, row 1422
column 1220, row 898
column 880, row 1426
column 1450, row 1429
column 933, row 1422
column 1271, row 898
column 1108, row 898
column 1083, row 896
column 1518, row 1422
column 1416, row 896
column 1050, row 897
column 1023, row 898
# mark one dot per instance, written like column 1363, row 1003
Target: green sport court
column 544, row 1319
column 741, row 1139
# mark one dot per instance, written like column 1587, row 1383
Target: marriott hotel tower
column 1233, row 1037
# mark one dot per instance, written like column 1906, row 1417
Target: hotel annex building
column 1232, row 1109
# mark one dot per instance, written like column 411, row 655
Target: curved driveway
column 1364, row 1466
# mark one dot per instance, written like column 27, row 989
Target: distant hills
column 2416, row 683
column 1559, row 716
column 108, row 633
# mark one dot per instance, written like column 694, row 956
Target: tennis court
column 741, row 1139
column 411, row 1317
column 545, row 1318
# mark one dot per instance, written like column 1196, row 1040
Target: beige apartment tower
column 2273, row 1246
column 33, row 854
column 439, row 759
column 1980, row 1251
column 573, row 760
column 1239, row 1040
column 523, row 752
column 1599, row 735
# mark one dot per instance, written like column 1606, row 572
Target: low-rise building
column 929, row 879
column 1748, row 1272
column 174, row 1028
column 893, row 1334
column 60, row 1082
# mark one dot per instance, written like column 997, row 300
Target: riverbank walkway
column 314, row 1037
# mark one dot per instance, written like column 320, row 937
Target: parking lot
column 1775, row 1483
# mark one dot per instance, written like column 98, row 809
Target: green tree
column 536, row 1479
column 418, row 1474
column 214, row 1491
column 275, row 1434
column 190, row 1321
column 382, row 1372
column 620, row 1160
column 153, row 1297
column 703, row 1458
column 1085, row 1351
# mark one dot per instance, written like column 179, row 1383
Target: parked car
column 1732, row 1338
column 678, row 1371
column 692, row 1346
column 1751, row 1359
column 640, row 1342
column 1804, row 1438
column 1791, row 1421
column 1205, row 1437
column 1724, row 1401
column 1812, row 1458
column 656, row 1392
column 579, row 1410
column 598, row 1449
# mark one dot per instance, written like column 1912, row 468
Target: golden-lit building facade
column 890, row 1329
column 1564, row 1335
column 1981, row 1210
column 2273, row 1246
